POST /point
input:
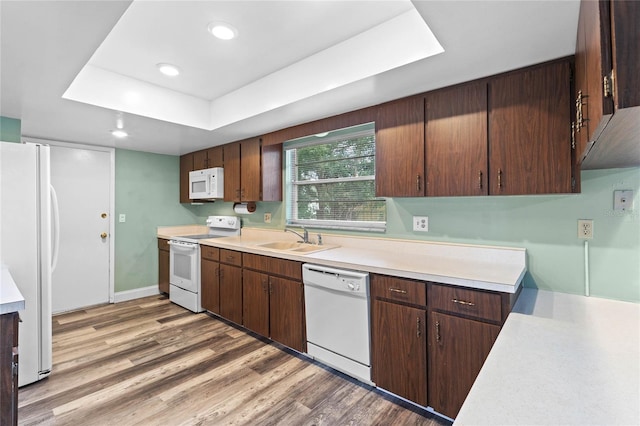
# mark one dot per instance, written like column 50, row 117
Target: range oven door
column 184, row 265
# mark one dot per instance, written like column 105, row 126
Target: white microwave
column 206, row 184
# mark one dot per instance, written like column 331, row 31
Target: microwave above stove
column 206, row 184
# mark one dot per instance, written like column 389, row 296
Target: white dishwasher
column 337, row 311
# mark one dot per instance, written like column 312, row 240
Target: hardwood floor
column 150, row 362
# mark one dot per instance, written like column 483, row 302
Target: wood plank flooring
column 151, row 362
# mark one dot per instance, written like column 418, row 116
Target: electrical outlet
column 421, row 223
column 267, row 218
column 585, row 229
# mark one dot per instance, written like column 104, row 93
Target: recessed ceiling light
column 222, row 30
column 119, row 134
column 168, row 69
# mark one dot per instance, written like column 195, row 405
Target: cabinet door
column 231, row 293
column 186, row 165
column 458, row 348
column 597, row 27
column 399, row 350
column 210, row 285
column 250, row 179
column 232, row 172
column 163, row 268
column 255, row 302
column 200, row 160
column 400, row 149
column 287, row 312
column 456, row 141
column 215, row 157
column 530, row 131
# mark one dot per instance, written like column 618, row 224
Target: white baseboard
column 137, row 293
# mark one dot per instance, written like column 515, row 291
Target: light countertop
column 561, row 359
column 484, row 267
column 11, row 299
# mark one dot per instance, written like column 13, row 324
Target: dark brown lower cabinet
column 231, row 292
column 9, row 368
column 274, row 306
column 255, row 302
column 400, row 350
column 458, row 347
column 163, row 265
column 286, row 314
column 210, row 285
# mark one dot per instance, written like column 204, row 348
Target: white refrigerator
column 28, row 240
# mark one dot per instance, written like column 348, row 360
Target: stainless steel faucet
column 304, row 236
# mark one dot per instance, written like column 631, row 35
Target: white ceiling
column 293, row 62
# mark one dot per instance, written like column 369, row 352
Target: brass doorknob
column 103, row 235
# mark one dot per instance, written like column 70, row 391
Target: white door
column 82, row 179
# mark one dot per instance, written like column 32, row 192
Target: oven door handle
column 179, row 245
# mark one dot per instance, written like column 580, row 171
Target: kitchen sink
column 295, row 247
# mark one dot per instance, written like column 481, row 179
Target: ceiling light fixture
column 119, row 134
column 321, row 135
column 168, row 69
column 222, row 30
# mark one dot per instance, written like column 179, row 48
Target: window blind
column 331, row 181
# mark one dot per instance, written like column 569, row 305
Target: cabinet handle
column 266, row 287
column 480, row 179
column 462, row 302
column 418, row 183
column 397, row 290
column 579, row 117
column 218, row 272
column 499, row 178
column 418, row 327
column 437, row 331
column 270, row 287
column 221, row 273
column 230, row 258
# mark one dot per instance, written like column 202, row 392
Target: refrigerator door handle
column 56, row 227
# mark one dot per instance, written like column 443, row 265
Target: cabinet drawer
column 273, row 265
column 208, row 252
column 398, row 289
column 464, row 301
column 231, row 257
column 163, row 244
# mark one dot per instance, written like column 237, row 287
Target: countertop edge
column 11, row 300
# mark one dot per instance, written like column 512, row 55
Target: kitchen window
column 330, row 181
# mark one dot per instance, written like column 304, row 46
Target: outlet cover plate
column 622, row 200
column 267, row 218
column 421, row 223
column 585, row 229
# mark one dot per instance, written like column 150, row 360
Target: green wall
column 545, row 225
column 147, row 192
column 10, row 129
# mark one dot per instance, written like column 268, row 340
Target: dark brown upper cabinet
column 530, row 131
column 208, row 158
column 252, row 172
column 456, row 141
column 607, row 87
column 400, row 148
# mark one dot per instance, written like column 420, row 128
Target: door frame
column 112, row 196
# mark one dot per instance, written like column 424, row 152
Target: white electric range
column 184, row 261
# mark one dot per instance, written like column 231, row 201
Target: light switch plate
column 122, row 218
column 623, row 200
column 421, row 223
